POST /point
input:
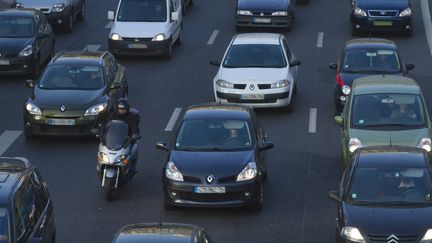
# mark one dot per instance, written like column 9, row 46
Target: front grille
column 264, row 86
column 210, row 197
column 258, row 13
column 11, row 68
column 375, row 238
column 137, row 39
column 239, row 86
column 191, row 179
column 44, row 10
column 228, row 179
column 383, row 13
column 65, row 129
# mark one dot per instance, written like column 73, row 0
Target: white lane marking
column 172, row 121
column 7, row 139
column 213, row 37
column 427, row 22
column 109, row 25
column 92, row 47
column 320, row 40
column 312, row 120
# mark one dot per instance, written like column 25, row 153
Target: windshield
column 386, row 185
column 4, row 225
column 214, row 134
column 116, row 135
column 375, row 110
column 16, row 27
column 72, row 77
column 254, row 55
column 384, row 61
column 142, row 11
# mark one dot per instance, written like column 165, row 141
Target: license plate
column 138, row 46
column 252, row 96
column 383, row 23
column 4, row 62
column 262, row 20
column 61, row 122
column 209, row 189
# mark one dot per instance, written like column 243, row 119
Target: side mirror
column 266, row 146
column 174, row 16
column 295, row 63
column 162, row 146
column 409, row 66
column 115, row 85
column 334, row 195
column 215, row 63
column 338, row 120
column 34, row 240
column 29, row 83
column 333, row 66
column 111, row 15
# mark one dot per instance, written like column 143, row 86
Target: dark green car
column 384, row 110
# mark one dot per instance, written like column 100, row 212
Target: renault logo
column 383, row 12
column 210, row 179
column 136, row 40
column 251, row 87
column 392, row 239
column 62, row 108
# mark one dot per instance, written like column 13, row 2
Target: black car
column 265, row 13
column 372, row 15
column 26, row 212
column 362, row 57
column 217, row 158
column 26, row 42
column 385, row 195
column 74, row 94
column 161, row 233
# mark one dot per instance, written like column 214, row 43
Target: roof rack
column 14, row 163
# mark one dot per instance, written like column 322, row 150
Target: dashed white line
column 427, row 22
column 213, row 37
column 320, row 40
column 92, row 47
column 7, row 139
column 312, row 120
column 109, row 25
column 172, row 121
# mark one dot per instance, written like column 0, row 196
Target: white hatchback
column 258, row 69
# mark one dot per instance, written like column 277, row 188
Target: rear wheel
column 108, row 189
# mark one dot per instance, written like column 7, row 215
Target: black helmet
column 122, row 104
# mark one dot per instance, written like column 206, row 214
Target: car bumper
column 16, row 65
column 263, row 21
column 137, row 48
column 375, row 24
column 269, row 97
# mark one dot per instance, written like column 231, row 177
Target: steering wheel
column 413, row 193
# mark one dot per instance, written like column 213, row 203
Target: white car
column 258, row 69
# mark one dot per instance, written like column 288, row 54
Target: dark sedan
column 385, row 196
column 362, row 57
column 217, row 159
column 26, row 42
column 74, row 94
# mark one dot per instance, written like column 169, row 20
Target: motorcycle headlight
column 352, row 234
column 354, row 144
column 280, row 84
column 33, row 109
column 425, row 143
column 280, row 13
column 27, row 51
column 406, row 12
column 224, row 84
column 249, row 172
column 103, row 157
column 19, row 5
column 244, row 12
column 346, row 90
column 115, row 37
column 427, row 238
column 122, row 159
column 172, row 172
column 58, row 7
column 159, row 37
column 95, row 110
column 360, row 12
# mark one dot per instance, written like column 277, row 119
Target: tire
column 35, row 72
column 69, row 25
column 108, row 189
column 81, row 15
column 168, row 206
column 168, row 52
column 257, row 205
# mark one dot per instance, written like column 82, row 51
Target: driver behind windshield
column 237, row 136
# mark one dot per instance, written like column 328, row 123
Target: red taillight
column 339, row 80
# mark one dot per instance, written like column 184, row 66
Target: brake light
column 339, row 80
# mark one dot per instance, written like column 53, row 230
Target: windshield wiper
column 391, row 125
column 405, row 203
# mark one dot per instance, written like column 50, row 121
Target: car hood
column 11, row 47
column 389, row 220
column 263, row 5
column 248, row 75
column 139, row 29
column 219, row 164
column 71, row 99
column 381, row 138
column 383, row 4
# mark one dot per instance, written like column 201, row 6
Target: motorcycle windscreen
column 116, row 135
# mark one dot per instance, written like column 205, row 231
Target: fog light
column 357, row 26
column 37, row 117
column 173, row 194
column 407, row 27
column 247, row 194
column 342, row 98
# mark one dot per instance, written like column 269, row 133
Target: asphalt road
column 304, row 165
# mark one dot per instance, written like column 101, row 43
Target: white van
column 145, row 27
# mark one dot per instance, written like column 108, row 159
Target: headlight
column 95, row 110
column 122, row 158
column 249, row 172
column 116, row 37
column 159, row 37
column 346, row 90
column 58, row 7
column 352, row 234
column 427, row 237
column 173, row 173
column 103, row 157
column 244, row 12
column 19, row 5
column 27, row 51
column 354, row 144
column 33, row 109
column 359, row 12
column 224, row 84
column 425, row 143
column 406, row 12
column 280, row 84
column 280, row 13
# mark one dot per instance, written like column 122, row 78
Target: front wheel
column 108, row 188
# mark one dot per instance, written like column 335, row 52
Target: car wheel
column 168, row 52
column 81, row 15
column 409, row 32
column 35, row 72
column 108, row 189
column 168, row 206
column 70, row 24
column 257, row 205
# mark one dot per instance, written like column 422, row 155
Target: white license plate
column 209, row 189
column 61, row 122
column 262, row 20
column 4, row 62
column 252, row 96
column 138, row 46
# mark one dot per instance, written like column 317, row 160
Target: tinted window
column 116, row 135
column 266, row 56
column 72, row 77
column 4, row 226
column 25, row 213
column 142, row 11
column 371, row 61
column 16, row 27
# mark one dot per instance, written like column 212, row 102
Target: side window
column 25, row 214
column 288, row 51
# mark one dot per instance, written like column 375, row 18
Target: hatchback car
column 74, row 93
column 258, row 69
column 384, row 110
column 26, row 42
column 27, row 212
column 161, row 233
column 217, row 158
column 385, row 195
column 362, row 57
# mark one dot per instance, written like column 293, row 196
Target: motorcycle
column 117, row 152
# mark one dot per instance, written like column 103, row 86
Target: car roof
column 391, row 156
column 385, row 84
column 79, row 57
column 257, row 38
column 22, row 12
column 156, row 232
column 11, row 169
column 360, row 43
column 217, row 110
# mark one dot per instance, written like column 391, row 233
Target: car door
column 290, row 56
column 175, row 6
column 259, row 136
column 25, row 214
